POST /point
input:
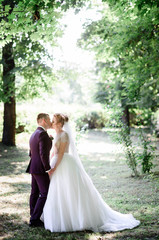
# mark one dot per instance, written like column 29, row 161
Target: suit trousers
column 39, row 190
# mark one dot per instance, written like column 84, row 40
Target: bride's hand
column 51, row 171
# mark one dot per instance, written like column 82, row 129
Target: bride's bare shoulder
column 64, row 136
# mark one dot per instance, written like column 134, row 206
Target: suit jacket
column 40, row 146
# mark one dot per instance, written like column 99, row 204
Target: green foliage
column 134, row 157
column 37, row 17
column 123, row 137
column 25, row 23
column 147, row 156
column 141, row 117
column 125, row 40
column 33, row 75
column 70, row 86
column 91, row 120
column 142, row 5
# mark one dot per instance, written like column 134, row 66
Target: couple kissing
column 63, row 197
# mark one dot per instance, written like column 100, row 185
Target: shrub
column 91, row 120
column 123, row 137
column 141, row 117
column 147, row 156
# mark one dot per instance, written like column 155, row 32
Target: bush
column 91, row 120
column 123, row 137
column 147, row 156
column 141, row 117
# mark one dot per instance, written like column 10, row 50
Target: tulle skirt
column 74, row 204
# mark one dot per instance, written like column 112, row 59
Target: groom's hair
column 41, row 116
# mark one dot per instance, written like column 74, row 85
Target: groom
column 40, row 146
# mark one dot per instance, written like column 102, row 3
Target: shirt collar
column 42, row 127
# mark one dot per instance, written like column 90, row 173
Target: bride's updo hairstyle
column 61, row 118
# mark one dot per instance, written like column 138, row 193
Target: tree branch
column 12, row 11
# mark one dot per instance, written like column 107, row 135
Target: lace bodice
column 61, row 137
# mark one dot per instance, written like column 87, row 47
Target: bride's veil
column 72, row 146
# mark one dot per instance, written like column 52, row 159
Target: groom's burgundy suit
column 40, row 145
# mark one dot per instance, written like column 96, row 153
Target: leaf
column 7, row 8
column 34, row 36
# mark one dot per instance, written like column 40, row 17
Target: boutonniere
column 51, row 137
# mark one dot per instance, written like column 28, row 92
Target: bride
column 73, row 203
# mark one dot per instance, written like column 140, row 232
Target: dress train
column 74, row 204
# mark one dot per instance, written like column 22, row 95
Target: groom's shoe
column 36, row 223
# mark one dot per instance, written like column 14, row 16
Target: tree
column 36, row 19
column 125, row 41
column 24, row 76
column 9, row 92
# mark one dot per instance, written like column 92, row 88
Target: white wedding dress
column 74, row 204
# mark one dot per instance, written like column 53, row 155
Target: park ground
column 104, row 162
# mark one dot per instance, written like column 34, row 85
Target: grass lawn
column 104, row 162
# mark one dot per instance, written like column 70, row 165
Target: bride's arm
column 60, row 156
column 52, row 154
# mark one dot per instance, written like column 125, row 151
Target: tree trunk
column 9, row 94
column 125, row 117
